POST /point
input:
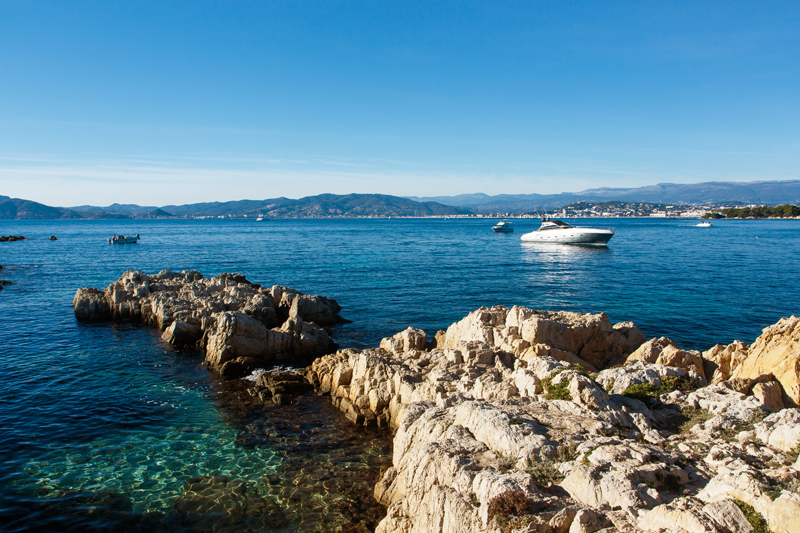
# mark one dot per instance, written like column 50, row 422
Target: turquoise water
column 106, row 427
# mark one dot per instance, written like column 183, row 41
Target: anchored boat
column 123, row 239
column 558, row 232
column 503, row 227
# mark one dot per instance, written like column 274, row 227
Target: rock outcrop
column 499, row 427
column 775, row 355
column 240, row 325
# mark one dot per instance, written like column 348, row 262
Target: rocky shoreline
column 239, row 325
column 516, row 420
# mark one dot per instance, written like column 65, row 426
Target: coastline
column 478, row 409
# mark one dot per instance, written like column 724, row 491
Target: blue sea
column 105, row 427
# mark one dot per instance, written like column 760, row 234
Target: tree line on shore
column 779, row 211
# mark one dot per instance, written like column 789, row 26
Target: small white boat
column 123, row 239
column 261, row 218
column 703, row 225
column 558, row 232
column 503, row 227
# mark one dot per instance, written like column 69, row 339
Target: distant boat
column 558, row 232
column 261, row 218
column 503, row 227
column 703, row 225
column 122, row 239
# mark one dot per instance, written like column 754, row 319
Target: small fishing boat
column 503, row 227
column 124, row 239
column 703, row 225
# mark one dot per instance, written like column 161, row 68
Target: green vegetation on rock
column 754, row 517
column 650, row 391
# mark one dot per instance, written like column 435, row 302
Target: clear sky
column 157, row 102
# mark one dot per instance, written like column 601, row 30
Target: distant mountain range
column 324, row 205
column 715, row 192
column 381, row 205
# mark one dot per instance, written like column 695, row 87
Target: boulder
column 181, row 333
column 770, row 394
column 584, row 337
column 410, row 339
column 780, row 430
column 721, row 360
column 91, row 305
column 777, row 353
column 665, row 352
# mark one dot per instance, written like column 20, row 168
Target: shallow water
column 107, row 427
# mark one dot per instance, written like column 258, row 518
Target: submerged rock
column 240, row 325
column 234, row 504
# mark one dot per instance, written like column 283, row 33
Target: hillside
column 324, row 205
column 758, row 192
column 19, row 209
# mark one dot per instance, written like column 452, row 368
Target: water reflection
column 537, row 252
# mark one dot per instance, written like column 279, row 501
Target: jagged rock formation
column 240, row 325
column 499, row 427
column 775, row 356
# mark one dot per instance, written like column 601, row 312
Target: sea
column 105, row 427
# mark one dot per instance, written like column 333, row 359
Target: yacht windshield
column 553, row 224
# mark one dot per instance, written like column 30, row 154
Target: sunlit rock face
column 511, row 421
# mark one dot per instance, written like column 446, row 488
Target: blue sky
column 177, row 102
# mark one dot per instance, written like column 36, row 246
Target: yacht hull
column 570, row 236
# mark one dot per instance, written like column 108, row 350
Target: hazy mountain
column 128, row 209
column 18, row 209
column 323, row 205
column 759, row 192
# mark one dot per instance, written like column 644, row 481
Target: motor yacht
column 703, row 225
column 503, row 227
column 558, row 232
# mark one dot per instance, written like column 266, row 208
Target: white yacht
column 705, row 224
column 503, row 227
column 556, row 231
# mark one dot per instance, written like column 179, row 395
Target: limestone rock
column 585, row 337
column 181, row 333
column 776, row 352
column 665, row 352
column 780, row 430
column 410, row 339
column 91, row 305
column 234, row 320
column 722, row 360
column 728, row 516
column 770, row 394
column 683, row 514
column 496, row 428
